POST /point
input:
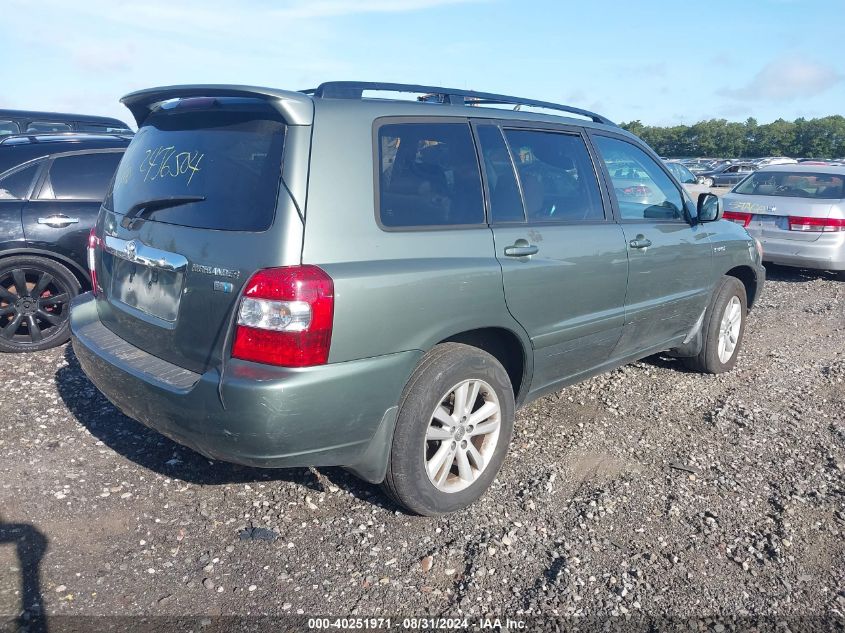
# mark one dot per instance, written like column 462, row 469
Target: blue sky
column 663, row 62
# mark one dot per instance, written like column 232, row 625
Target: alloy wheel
column 729, row 329
column 33, row 305
column 462, row 435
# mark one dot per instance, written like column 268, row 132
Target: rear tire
column 723, row 329
column 35, row 295
column 446, row 450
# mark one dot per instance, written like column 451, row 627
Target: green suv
column 327, row 278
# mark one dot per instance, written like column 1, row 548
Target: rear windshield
column 793, row 184
column 213, row 165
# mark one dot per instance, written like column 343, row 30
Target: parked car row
column 283, row 278
column 726, row 174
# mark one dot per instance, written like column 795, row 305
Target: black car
column 51, row 188
column 726, row 174
column 29, row 121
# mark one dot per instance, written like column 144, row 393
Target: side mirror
column 709, row 207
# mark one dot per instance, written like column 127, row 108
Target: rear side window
column 16, row 186
column 48, row 126
column 428, row 175
column 642, row 188
column 557, row 176
column 8, row 127
column 221, row 160
column 80, row 177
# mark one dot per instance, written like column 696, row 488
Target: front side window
column 47, row 126
column 80, row 177
column 794, row 185
column 643, row 190
column 428, row 175
column 680, row 172
column 8, row 127
column 557, row 176
column 16, row 186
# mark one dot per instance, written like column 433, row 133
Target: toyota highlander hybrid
column 321, row 277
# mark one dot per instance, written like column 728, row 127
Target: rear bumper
column 826, row 253
column 340, row 414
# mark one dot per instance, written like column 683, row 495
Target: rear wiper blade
column 146, row 207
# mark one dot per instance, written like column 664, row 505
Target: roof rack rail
column 40, row 137
column 434, row 94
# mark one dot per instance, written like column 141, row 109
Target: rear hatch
column 772, row 197
column 197, row 206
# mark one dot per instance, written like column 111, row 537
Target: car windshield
column 793, row 184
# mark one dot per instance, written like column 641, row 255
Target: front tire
column 723, row 329
column 452, row 432
column 35, row 295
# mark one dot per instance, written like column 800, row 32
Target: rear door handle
column 58, row 221
column 640, row 242
column 521, row 250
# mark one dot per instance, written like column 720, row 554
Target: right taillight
column 285, row 317
column 823, row 225
column 94, row 243
column 740, row 218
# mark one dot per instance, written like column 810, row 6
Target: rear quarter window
column 228, row 158
column 428, row 176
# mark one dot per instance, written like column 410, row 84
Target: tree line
column 801, row 138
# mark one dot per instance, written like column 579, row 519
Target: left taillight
column 285, row 317
column 94, row 243
column 739, row 218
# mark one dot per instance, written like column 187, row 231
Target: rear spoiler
column 295, row 107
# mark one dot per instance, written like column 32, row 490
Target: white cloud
column 787, row 78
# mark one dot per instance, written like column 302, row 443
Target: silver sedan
column 797, row 213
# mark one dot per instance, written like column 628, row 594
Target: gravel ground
column 647, row 490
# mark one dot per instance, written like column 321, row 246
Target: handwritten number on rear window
column 165, row 161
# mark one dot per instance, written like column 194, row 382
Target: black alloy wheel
column 35, row 299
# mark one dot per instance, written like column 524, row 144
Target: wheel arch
column 748, row 277
column 78, row 271
column 508, row 348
